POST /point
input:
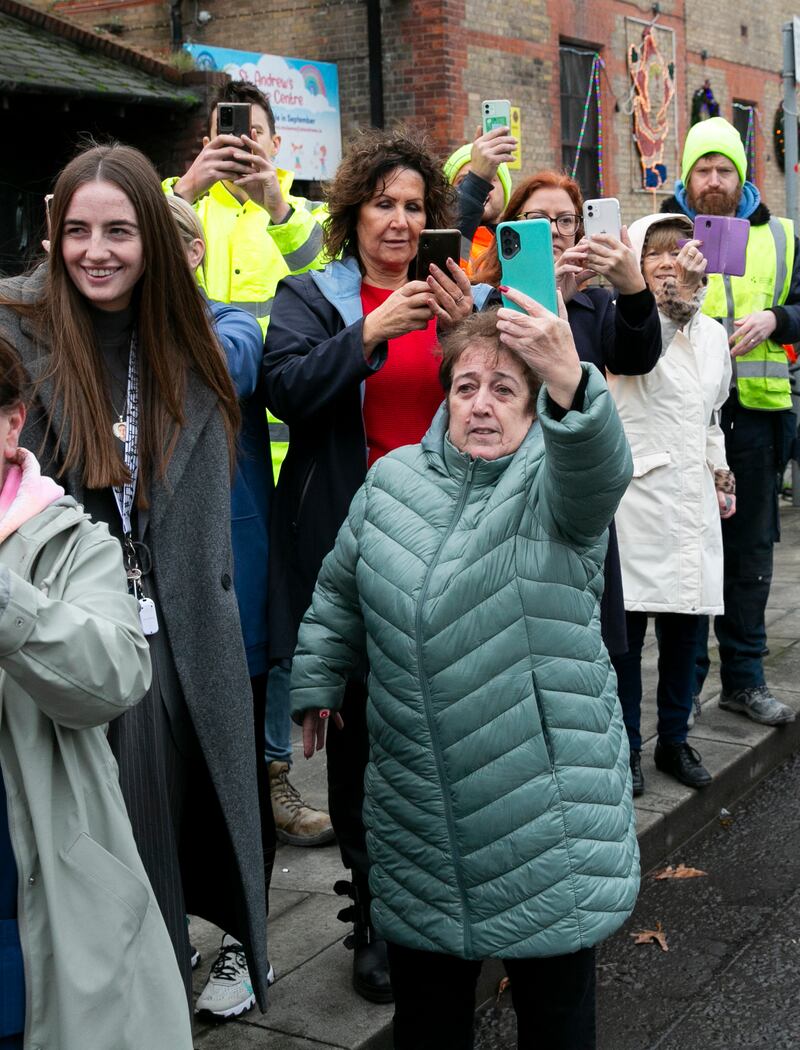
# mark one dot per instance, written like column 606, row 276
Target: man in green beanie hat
column 760, row 312
column 479, row 171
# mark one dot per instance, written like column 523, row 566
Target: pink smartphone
column 724, row 243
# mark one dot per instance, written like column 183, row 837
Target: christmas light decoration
column 593, row 91
column 779, row 137
column 704, row 105
column 651, row 129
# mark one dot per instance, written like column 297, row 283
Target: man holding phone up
column 479, row 172
column 231, row 183
column 759, row 311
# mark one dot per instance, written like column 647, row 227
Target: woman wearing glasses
column 616, row 329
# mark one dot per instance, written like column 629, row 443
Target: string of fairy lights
column 593, row 92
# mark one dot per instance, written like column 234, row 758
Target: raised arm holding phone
column 615, row 332
column 479, row 172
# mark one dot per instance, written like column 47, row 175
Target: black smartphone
column 437, row 246
column 234, row 118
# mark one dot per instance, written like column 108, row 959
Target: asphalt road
column 731, row 977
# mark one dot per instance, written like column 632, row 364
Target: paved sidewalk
column 312, row 1005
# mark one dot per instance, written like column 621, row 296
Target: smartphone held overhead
column 495, row 113
column 525, row 249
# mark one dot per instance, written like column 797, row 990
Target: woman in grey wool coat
column 135, row 414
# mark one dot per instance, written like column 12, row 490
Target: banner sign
column 305, row 100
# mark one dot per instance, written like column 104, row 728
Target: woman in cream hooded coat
column 670, row 536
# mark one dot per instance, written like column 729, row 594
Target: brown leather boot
column 295, row 822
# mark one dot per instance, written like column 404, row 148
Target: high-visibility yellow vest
column 762, row 374
column 247, row 255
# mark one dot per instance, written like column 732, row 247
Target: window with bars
column 745, row 115
column 576, row 79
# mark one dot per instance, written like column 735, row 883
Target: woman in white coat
column 670, row 537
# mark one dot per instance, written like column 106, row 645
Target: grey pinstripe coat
column 189, row 534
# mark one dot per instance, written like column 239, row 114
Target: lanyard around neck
column 125, row 494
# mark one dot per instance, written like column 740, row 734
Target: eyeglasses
column 566, row 222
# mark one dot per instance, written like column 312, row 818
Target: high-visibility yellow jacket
column 247, row 255
column 762, row 374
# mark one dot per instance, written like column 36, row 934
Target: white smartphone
column 602, row 216
column 495, row 113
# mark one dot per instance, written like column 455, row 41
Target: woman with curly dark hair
column 350, row 366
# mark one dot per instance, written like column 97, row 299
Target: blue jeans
column 677, row 646
column 754, row 445
column 277, row 720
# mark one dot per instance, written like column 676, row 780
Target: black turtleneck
column 113, row 330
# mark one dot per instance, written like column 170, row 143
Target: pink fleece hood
column 25, row 493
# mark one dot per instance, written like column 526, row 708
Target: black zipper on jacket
column 426, row 697
column 303, row 492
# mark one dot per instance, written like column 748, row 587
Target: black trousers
column 757, row 445
column 434, row 997
column 677, row 647
column 347, row 753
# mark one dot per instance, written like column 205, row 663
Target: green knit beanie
column 714, row 135
column 456, row 161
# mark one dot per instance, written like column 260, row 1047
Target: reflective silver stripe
column 313, row 205
column 256, row 309
column 466, row 248
column 306, row 253
column 779, row 236
column 278, row 433
column 727, row 322
column 762, row 369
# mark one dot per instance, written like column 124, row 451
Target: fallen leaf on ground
column 501, row 987
column 656, row 936
column 681, row 872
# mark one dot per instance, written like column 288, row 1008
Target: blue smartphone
column 525, row 249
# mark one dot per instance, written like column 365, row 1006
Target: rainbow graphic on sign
column 304, row 97
column 313, row 79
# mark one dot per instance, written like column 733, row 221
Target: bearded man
column 760, row 311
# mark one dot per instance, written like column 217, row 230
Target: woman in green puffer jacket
column 468, row 578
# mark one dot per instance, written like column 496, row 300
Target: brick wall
column 441, row 57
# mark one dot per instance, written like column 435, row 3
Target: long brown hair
column 174, row 335
column 487, row 269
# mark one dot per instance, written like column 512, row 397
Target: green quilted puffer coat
column 498, row 798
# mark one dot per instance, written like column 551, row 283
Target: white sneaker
column 229, row 991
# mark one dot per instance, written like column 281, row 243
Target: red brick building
column 439, row 58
